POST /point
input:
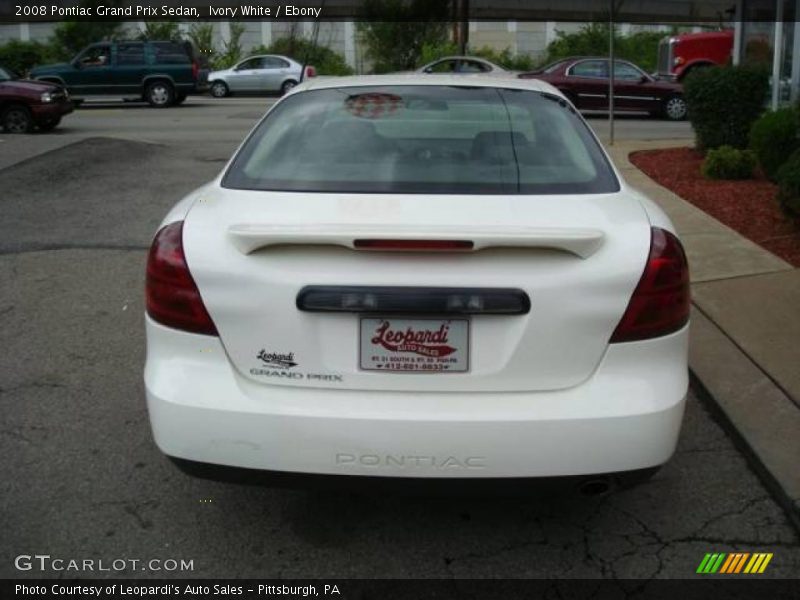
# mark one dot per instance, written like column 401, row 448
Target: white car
column 258, row 74
column 463, row 65
column 418, row 276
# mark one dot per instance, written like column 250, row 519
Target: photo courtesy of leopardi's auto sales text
column 399, row 299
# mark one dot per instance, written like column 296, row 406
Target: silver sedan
column 263, row 73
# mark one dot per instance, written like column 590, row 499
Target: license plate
column 414, row 345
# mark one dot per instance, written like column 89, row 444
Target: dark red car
column 25, row 104
column 584, row 81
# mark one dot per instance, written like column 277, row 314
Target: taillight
column 171, row 295
column 311, row 71
column 195, row 69
column 660, row 302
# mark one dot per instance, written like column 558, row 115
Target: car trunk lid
column 577, row 259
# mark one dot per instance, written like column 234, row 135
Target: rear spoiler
column 248, row 238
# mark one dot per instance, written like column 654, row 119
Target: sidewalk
column 745, row 331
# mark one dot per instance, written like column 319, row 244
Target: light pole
column 611, row 73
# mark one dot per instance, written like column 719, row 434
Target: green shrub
column 322, row 58
column 774, row 137
column 231, row 49
column 23, row 56
column 393, row 32
column 505, row 58
column 432, row 52
column 789, row 184
column 70, row 37
column 724, row 102
column 161, row 31
column 727, row 162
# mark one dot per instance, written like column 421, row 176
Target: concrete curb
column 737, row 381
column 761, row 419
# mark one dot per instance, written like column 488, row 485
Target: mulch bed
column 750, row 207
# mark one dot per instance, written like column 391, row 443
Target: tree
column 202, row 36
column 232, row 49
column 161, row 30
column 592, row 40
column 395, row 31
column 70, row 37
column 22, row 56
column 324, row 60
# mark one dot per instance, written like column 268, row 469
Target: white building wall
column 532, row 39
column 251, row 36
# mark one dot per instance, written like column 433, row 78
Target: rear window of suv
column 169, row 53
column 422, row 139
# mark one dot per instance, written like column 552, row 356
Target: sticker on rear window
column 373, row 106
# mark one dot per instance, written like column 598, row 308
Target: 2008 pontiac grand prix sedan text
column 418, row 276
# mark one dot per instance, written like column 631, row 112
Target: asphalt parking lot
column 81, row 477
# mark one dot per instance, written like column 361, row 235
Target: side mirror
column 77, row 63
column 428, row 70
column 644, row 79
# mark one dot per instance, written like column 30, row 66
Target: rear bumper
column 625, row 417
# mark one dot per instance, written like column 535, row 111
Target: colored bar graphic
column 727, row 564
column 734, row 563
column 703, row 563
column 767, row 558
column 741, row 562
column 755, row 562
column 718, row 563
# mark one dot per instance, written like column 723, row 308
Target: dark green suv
column 161, row 73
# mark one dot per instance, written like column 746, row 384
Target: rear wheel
column 675, row 108
column 219, row 89
column 159, row 94
column 287, row 85
column 49, row 124
column 16, row 119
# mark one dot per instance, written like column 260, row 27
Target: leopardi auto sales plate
column 414, row 345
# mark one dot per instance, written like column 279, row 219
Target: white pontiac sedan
column 418, row 276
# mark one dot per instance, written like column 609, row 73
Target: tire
column 287, row 85
column 16, row 119
column 50, row 124
column 160, row 94
column 675, row 108
column 219, row 89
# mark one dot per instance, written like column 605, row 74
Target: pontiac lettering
column 405, row 461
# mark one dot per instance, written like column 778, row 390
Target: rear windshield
column 422, row 139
